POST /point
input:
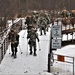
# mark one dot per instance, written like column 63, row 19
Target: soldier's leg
column 35, row 50
column 47, row 28
column 40, row 31
column 31, row 49
column 15, row 51
column 12, row 49
column 44, row 31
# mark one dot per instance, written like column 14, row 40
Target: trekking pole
column 27, row 48
column 24, row 34
column 20, row 49
column 9, row 47
column 39, row 46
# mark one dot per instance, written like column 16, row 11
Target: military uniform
column 65, row 14
column 29, row 28
column 47, row 22
column 27, row 21
column 72, row 20
column 14, row 39
column 32, row 40
column 42, row 26
column 72, row 14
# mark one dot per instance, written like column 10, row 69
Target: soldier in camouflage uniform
column 32, row 36
column 42, row 25
column 72, row 14
column 27, row 20
column 14, row 39
column 47, row 19
column 65, row 13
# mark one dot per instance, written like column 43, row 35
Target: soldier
column 72, row 20
column 42, row 25
column 27, row 20
column 65, row 13
column 72, row 14
column 32, row 40
column 29, row 24
column 47, row 19
column 14, row 39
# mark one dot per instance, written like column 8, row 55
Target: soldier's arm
column 9, row 37
column 37, row 37
column 28, row 35
column 18, row 38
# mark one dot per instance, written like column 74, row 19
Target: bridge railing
column 4, row 42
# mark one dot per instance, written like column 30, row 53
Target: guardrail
column 62, row 65
column 4, row 42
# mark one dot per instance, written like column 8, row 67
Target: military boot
column 35, row 53
column 31, row 52
column 12, row 54
column 15, row 55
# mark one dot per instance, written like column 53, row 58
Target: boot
column 15, row 55
column 30, row 52
column 12, row 54
column 35, row 54
column 44, row 33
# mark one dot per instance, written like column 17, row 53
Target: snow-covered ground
column 26, row 64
